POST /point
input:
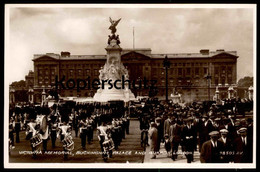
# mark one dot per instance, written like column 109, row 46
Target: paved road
column 163, row 158
column 129, row 150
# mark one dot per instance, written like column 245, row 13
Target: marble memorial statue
column 113, row 70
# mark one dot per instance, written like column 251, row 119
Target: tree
column 19, row 84
column 247, row 81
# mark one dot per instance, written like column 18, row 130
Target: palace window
column 188, row 71
column 216, row 81
column 79, row 72
column 216, row 71
column 95, row 72
column 71, row 72
column 223, row 81
column 223, row 69
column 205, row 71
column 171, row 82
column 229, row 70
column 87, row 72
column 229, row 80
column 196, row 71
column 179, row 71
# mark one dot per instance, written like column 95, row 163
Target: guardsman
column 89, row 123
column 65, row 129
column 71, row 119
column 45, row 137
column 11, row 131
column 210, row 151
column 127, row 124
column 243, row 147
column 124, row 121
column 76, row 123
column 102, row 136
column 83, row 133
column 54, row 128
column 120, row 124
column 189, row 134
column 114, row 133
column 17, row 126
column 31, row 129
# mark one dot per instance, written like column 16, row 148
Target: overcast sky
column 84, row 31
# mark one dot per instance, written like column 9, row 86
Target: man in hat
column 144, row 127
column 210, row 151
column 153, row 134
column 205, row 127
column 226, row 124
column 250, row 128
column 217, row 124
column 175, row 138
column 167, row 124
column 167, row 144
column 226, row 151
column 243, row 147
column 235, row 132
column 188, row 134
column 160, row 131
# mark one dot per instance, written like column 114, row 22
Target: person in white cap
column 153, row 135
column 227, row 148
column 210, row 151
column 243, row 147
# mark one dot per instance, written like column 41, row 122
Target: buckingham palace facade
column 194, row 75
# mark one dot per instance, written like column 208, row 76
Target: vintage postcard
column 130, row 86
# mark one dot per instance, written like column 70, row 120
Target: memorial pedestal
column 112, row 71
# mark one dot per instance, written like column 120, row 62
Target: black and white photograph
column 130, row 86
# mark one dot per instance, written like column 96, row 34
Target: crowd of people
column 218, row 131
column 220, row 134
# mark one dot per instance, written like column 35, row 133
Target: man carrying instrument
column 65, row 130
column 66, row 139
column 103, row 137
column 31, row 135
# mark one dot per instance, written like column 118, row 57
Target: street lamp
column 166, row 65
column 208, row 77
